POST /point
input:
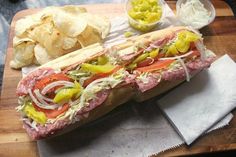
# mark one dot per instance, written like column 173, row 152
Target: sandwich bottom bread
column 83, row 86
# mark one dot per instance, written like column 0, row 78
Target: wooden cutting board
column 220, row 37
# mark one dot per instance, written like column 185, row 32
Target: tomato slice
column 194, row 53
column 49, row 79
column 52, row 113
column 192, row 46
column 100, row 75
column 45, row 81
column 156, row 66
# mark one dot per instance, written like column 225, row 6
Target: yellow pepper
column 182, row 45
column 128, row 34
column 147, row 11
column 132, row 66
column 141, row 58
column 172, row 51
column 102, row 60
column 97, row 68
column 68, row 93
column 154, row 53
column 38, row 117
column 188, row 36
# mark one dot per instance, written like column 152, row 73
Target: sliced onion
column 201, row 48
column 41, row 100
column 32, row 125
column 76, row 102
column 39, row 95
column 185, row 69
column 148, row 49
column 50, row 107
column 154, row 46
column 56, row 83
column 177, row 57
column 153, row 60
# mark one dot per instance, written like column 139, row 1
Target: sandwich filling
column 67, row 95
column 51, row 99
column 169, row 58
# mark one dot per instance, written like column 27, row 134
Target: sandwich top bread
column 78, row 88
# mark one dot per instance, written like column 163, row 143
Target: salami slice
column 29, row 81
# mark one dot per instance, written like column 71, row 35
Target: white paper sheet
column 195, row 106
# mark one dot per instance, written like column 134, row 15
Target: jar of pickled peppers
column 144, row 15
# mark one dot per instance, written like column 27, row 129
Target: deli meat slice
column 177, row 74
column 150, row 82
column 97, row 101
column 200, row 64
column 44, row 131
column 171, row 75
column 128, row 57
column 29, row 81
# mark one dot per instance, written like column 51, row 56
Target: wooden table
column 220, row 36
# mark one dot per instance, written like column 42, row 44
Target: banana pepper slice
column 188, row 36
column 97, row 68
column 37, row 116
column 182, row 44
column 66, row 94
column 102, row 60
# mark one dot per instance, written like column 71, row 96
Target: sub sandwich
column 83, row 86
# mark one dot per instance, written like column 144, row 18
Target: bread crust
column 149, row 37
column 117, row 97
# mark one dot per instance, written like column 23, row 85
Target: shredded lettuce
column 174, row 66
column 90, row 92
column 22, row 100
column 144, row 77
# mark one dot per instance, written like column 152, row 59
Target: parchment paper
column 132, row 129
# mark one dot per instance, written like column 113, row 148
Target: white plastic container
column 140, row 26
column 207, row 5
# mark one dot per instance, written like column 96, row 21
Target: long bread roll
column 87, row 84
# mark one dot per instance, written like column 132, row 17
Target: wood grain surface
column 220, row 36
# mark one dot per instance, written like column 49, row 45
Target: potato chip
column 99, row 22
column 23, row 54
column 76, row 47
column 49, row 38
column 41, row 54
column 54, row 42
column 73, row 9
column 69, row 43
column 41, row 32
column 26, row 23
column 56, row 31
column 17, row 41
column 69, row 25
column 89, row 36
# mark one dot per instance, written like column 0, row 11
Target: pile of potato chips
column 55, row 31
